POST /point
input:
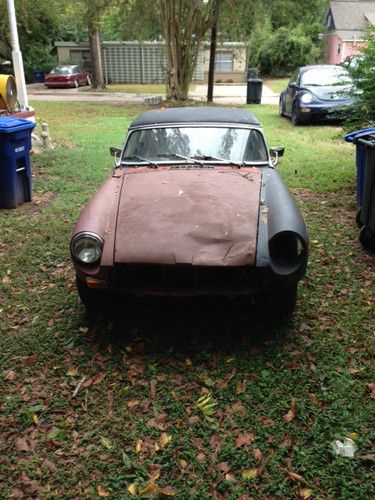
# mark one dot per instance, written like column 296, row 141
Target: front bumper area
column 325, row 110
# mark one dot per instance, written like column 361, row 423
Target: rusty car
column 194, row 206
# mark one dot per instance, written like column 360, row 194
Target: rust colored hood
column 204, row 217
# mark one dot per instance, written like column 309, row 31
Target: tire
column 367, row 239
column 282, row 302
column 88, row 81
column 93, row 300
column 296, row 116
column 76, row 84
column 281, row 107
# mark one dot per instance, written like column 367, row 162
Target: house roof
column 351, row 16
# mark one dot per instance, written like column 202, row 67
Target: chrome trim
column 83, row 234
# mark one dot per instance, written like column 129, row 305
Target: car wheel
column 296, row 116
column 367, row 239
column 282, row 302
column 93, row 300
column 88, row 81
column 76, row 84
column 281, row 107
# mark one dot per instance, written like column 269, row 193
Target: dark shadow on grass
column 187, row 326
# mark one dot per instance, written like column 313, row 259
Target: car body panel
column 193, row 216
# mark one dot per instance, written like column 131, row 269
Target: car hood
column 332, row 93
column 206, row 217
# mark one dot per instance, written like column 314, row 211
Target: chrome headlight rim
column 88, row 235
column 306, row 98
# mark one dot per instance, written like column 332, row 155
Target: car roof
column 319, row 66
column 196, row 115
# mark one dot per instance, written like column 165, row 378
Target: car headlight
column 306, row 98
column 287, row 250
column 87, row 248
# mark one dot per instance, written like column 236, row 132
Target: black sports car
column 194, row 206
column 319, row 92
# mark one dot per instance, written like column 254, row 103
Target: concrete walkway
column 223, row 94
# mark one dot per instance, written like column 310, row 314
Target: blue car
column 314, row 93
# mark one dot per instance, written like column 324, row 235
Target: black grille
column 184, row 278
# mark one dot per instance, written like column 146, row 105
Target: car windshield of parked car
column 227, row 143
column 62, row 71
column 325, row 77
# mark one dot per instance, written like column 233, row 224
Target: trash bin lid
column 9, row 125
column 354, row 136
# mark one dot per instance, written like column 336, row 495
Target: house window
column 339, row 49
column 224, row 62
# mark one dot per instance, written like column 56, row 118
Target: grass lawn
column 276, row 84
column 284, row 390
column 136, row 88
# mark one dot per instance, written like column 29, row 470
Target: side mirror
column 116, row 153
column 293, row 85
column 276, row 153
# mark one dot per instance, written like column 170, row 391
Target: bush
column 364, row 82
column 285, row 50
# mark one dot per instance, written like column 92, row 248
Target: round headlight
column 306, row 98
column 87, row 248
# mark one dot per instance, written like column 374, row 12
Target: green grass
column 160, row 356
column 135, row 88
column 276, row 84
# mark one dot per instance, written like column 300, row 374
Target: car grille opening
column 182, row 278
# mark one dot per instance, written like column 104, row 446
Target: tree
column 184, row 24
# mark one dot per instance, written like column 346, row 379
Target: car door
column 291, row 91
column 81, row 76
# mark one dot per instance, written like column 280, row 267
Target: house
column 144, row 62
column 347, row 21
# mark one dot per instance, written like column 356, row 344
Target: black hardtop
column 195, row 115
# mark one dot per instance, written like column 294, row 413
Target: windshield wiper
column 187, row 158
column 150, row 163
column 237, row 164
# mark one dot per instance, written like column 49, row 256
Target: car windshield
column 62, row 71
column 325, row 77
column 209, row 142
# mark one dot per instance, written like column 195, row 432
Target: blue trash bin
column 15, row 172
column 39, row 76
column 361, row 153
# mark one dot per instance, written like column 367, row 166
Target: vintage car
column 320, row 92
column 194, row 207
column 69, row 75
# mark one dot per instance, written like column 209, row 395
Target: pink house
column 347, row 21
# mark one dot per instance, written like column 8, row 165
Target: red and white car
column 67, row 76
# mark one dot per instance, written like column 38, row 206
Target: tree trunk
column 97, row 80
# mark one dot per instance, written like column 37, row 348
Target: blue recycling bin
column 15, row 172
column 361, row 153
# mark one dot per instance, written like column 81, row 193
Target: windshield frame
column 193, row 163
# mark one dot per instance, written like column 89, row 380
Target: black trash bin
column 367, row 213
column 254, row 91
column 15, row 172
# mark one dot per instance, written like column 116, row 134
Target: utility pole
column 17, row 57
column 211, row 68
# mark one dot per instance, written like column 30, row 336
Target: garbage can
column 361, row 152
column 15, row 172
column 367, row 212
column 254, row 91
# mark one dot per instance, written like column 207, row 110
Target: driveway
column 223, row 94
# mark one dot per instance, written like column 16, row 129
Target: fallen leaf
column 102, row 492
column 183, row 464
column 10, row 375
column 154, row 472
column 314, row 400
column 245, row 439
column 201, row 458
column 21, row 444
column 98, row 378
column 151, row 488
column 291, row 413
column 145, row 407
column 194, row 419
column 49, row 466
column 188, row 362
column 258, row 455
column 132, row 489
column 295, row 477
column 106, row 442
column 167, row 491
column 138, row 446
column 83, row 329
column 230, row 477
column 164, row 439
column 7, row 280
column 223, row 467
column 249, row 473
column 241, row 387
column 16, row 493
column 133, row 403
column 305, row 493
column 153, row 388
column 72, row 372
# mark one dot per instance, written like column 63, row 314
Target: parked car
column 67, row 76
column 194, row 206
column 316, row 93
